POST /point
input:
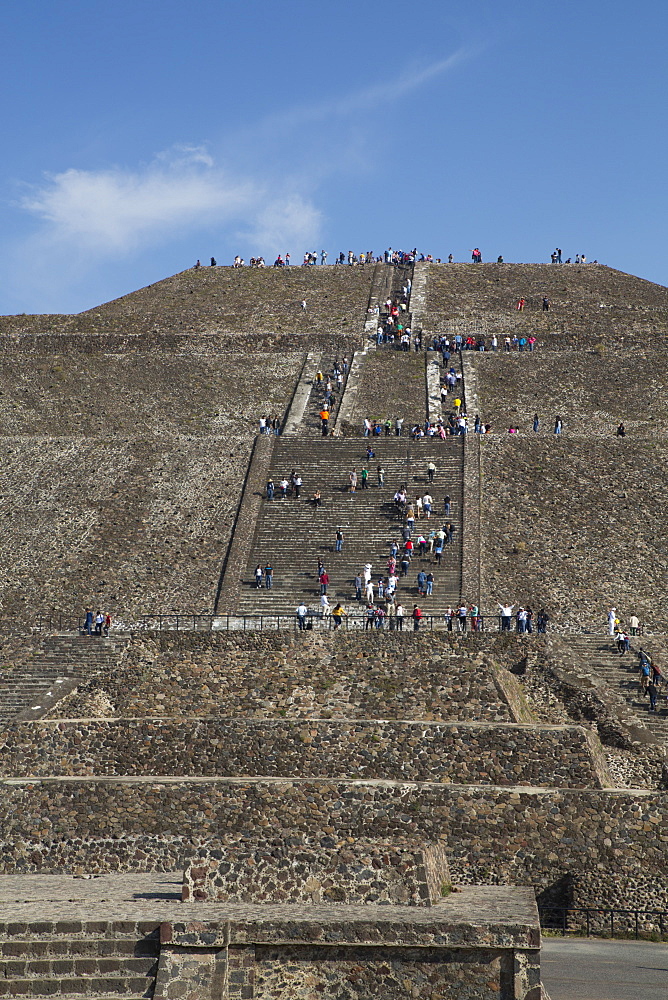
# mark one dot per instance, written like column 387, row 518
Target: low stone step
column 75, row 987
column 119, row 966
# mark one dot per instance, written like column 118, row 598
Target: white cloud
column 291, row 215
column 112, row 211
column 115, row 211
column 89, row 219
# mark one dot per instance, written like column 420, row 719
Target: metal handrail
column 201, row 622
column 656, row 917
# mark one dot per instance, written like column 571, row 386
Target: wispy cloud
column 370, row 98
column 257, row 187
column 115, row 210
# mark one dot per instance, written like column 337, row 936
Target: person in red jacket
column 417, row 617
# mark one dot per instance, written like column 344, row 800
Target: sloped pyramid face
column 285, row 764
column 587, row 303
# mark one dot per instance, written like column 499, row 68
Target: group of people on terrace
column 523, row 619
column 556, row 257
column 269, row 425
column 389, row 256
column 98, row 624
column 312, row 258
column 455, row 423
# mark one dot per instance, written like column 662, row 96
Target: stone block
column 360, row 873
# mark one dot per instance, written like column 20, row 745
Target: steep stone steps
column 311, row 424
column 400, row 275
column 292, row 534
column 30, row 691
column 78, row 959
column 620, row 674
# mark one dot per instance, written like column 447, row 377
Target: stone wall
column 477, row 945
column 642, row 890
column 393, row 384
column 231, row 579
column 597, row 543
column 477, row 753
column 288, row 675
column 510, row 835
column 378, row 874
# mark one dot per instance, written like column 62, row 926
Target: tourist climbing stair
column 293, row 533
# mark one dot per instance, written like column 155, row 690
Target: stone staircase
column 292, row 534
column 311, row 424
column 31, row 690
column 620, row 674
column 400, row 274
column 75, row 958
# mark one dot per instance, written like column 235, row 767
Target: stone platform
column 481, row 942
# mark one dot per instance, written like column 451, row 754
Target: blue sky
column 142, row 135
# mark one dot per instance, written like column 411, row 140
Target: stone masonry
column 303, row 779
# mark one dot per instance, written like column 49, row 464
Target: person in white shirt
column 302, row 612
column 612, row 618
column 506, row 615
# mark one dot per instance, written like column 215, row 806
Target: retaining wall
column 500, row 835
column 345, row 675
column 558, row 756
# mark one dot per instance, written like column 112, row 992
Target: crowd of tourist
column 389, row 256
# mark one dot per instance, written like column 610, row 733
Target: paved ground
column 157, row 896
column 604, row 970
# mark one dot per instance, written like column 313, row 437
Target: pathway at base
column 573, row 969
